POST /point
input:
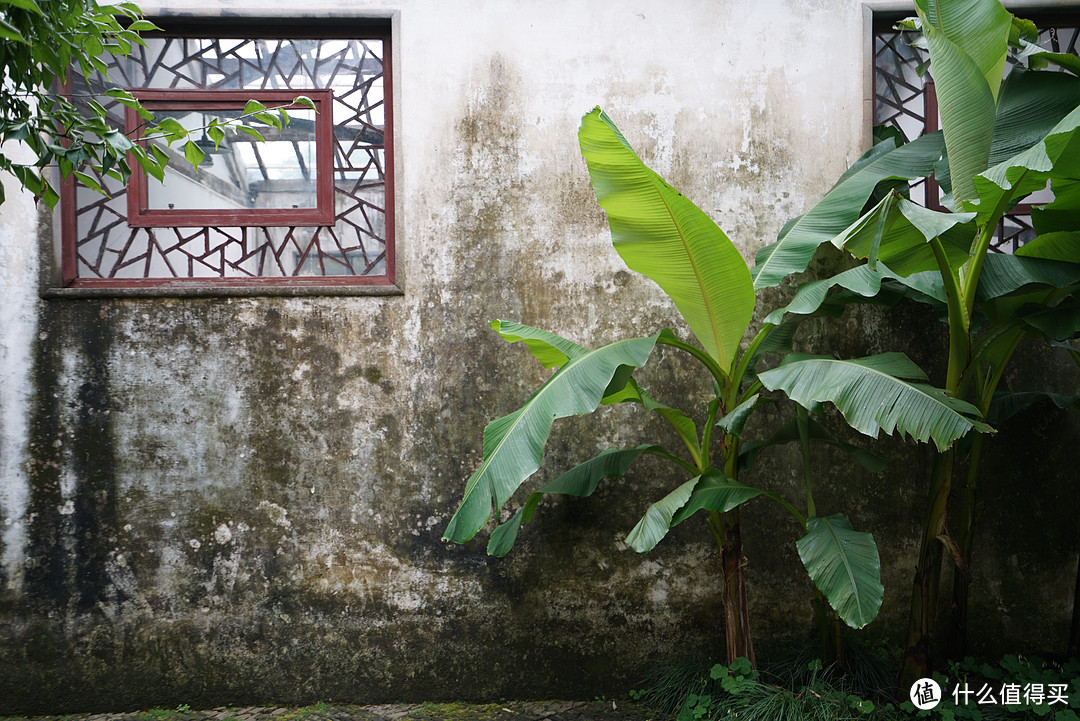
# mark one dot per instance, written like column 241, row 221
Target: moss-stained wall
column 215, row 500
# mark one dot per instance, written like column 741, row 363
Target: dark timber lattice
column 100, row 247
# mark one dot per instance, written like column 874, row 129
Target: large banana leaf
column 715, row 492
column 845, row 566
column 789, row 433
column 1058, row 323
column 1060, row 245
column 1005, row 405
column 550, row 349
column 1030, row 105
column 898, row 232
column 664, row 236
column 514, row 444
column 1062, row 214
column 580, row 481
column 881, row 392
column 1056, row 156
column 1005, row 274
column 843, row 205
column 656, row 522
column 968, row 42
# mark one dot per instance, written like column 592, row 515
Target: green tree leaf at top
column 664, row 236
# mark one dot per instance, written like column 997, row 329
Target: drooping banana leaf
column 1060, row 322
column 1059, row 245
column 789, row 433
column 580, row 481
column 843, row 205
column 551, row 350
column 1005, row 404
column 656, row 522
column 845, row 566
column 514, row 444
column 732, row 423
column 683, row 425
column 882, row 392
column 1004, row 274
column 664, row 236
column 968, row 42
column 898, row 232
column 1030, row 105
column 1062, row 214
column 1056, row 156
column 715, row 492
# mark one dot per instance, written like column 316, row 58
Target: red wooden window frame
column 139, row 215
column 348, row 230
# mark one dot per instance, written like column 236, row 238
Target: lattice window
column 904, row 98
column 306, row 207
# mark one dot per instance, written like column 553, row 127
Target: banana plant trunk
column 919, row 652
column 725, row 528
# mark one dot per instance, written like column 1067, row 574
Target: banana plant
column 1003, row 140
column 664, row 236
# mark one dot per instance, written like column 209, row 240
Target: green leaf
column 656, row 522
column 736, row 418
column 862, row 280
column 876, row 393
column 580, row 481
column 1060, row 245
column 216, row 134
column 664, row 236
column 1055, row 156
column 898, row 232
column 253, row 106
column 968, row 42
column 789, row 433
column 1060, row 322
column 843, row 205
column 1004, row 274
column 89, row 182
column 1030, row 105
column 24, row 4
column 678, row 420
column 514, row 444
column 10, row 32
column 171, row 129
column 251, row 131
column 1062, row 214
column 142, row 25
column 305, row 101
column 551, row 350
column 845, row 566
column 714, row 492
column 271, row 120
column 194, row 154
column 1005, row 405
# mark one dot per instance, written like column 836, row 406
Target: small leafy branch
column 39, row 44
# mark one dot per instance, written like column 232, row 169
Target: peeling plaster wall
column 233, row 500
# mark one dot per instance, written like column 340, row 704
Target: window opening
column 310, row 206
column 904, row 98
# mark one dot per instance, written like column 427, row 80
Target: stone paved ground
column 509, row 711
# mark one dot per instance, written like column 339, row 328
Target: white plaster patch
column 223, row 534
column 278, row 515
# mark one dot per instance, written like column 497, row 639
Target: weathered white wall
column 211, row 500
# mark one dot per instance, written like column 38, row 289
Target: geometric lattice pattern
column 904, row 98
column 357, row 248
